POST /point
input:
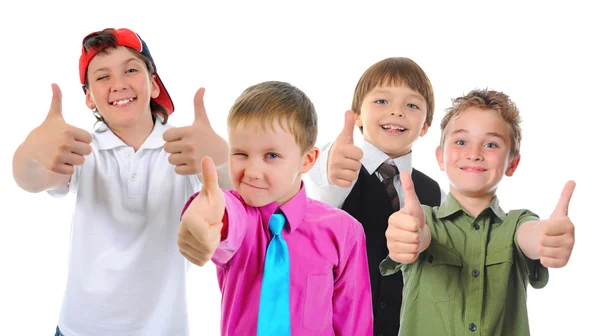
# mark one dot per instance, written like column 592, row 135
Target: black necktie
column 388, row 171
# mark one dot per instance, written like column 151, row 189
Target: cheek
column 451, row 156
column 235, row 169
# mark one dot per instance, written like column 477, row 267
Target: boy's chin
column 255, row 201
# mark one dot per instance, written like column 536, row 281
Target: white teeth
column 122, row 102
column 394, row 127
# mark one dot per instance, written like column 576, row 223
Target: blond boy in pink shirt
column 320, row 285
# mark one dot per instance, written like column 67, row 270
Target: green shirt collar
column 451, row 206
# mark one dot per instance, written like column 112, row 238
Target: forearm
column 528, row 238
column 30, row 175
column 234, row 229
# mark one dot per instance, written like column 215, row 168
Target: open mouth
column 122, row 102
column 393, row 129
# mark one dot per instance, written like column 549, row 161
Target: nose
column 252, row 170
column 117, row 83
column 396, row 111
column 474, row 154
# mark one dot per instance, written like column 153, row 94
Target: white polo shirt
column 126, row 275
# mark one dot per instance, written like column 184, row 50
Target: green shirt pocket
column 498, row 265
column 440, row 274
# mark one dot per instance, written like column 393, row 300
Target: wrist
column 425, row 239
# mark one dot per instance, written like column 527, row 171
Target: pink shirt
column 330, row 292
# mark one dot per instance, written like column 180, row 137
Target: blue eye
column 460, row 142
column 491, row 145
column 381, row 101
column 272, row 155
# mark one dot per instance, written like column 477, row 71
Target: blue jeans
column 58, row 333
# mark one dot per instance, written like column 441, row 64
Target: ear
column 309, row 159
column 439, row 155
column 358, row 121
column 155, row 89
column 424, row 129
column 512, row 165
column 89, row 100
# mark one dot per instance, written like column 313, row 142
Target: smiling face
column 120, row 87
column 266, row 163
column 392, row 118
column 476, row 152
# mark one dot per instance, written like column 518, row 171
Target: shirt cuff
column 389, row 267
column 536, row 272
column 224, row 229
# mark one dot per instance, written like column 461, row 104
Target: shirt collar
column 106, row 139
column 451, row 206
column 373, row 157
column 293, row 210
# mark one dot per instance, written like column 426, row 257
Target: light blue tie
column 274, row 307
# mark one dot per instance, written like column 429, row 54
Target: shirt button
column 475, row 273
column 133, row 177
column 476, row 226
column 472, row 327
column 383, row 304
column 379, row 334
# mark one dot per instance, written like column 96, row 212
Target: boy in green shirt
column 466, row 272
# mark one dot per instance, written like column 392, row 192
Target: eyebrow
column 266, row 150
column 384, row 91
column 125, row 62
column 492, row 134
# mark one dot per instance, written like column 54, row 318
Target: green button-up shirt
column 473, row 278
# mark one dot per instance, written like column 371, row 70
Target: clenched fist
column 59, row 146
column 200, row 229
column 343, row 161
column 188, row 145
column 407, row 235
column 558, row 232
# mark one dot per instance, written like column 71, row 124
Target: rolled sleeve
column 237, row 218
column 536, row 272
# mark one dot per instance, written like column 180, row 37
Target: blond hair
column 281, row 102
column 485, row 99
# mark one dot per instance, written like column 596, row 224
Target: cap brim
column 164, row 98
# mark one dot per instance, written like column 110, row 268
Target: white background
column 545, row 56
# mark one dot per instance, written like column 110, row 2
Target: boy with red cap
column 132, row 176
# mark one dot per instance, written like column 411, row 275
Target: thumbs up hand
column 57, row 145
column 187, row 145
column 407, row 235
column 558, row 233
column 199, row 233
column 343, row 161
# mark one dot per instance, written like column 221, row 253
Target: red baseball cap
column 127, row 38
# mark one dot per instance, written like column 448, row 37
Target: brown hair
column 272, row 101
column 485, row 99
column 106, row 39
column 395, row 71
